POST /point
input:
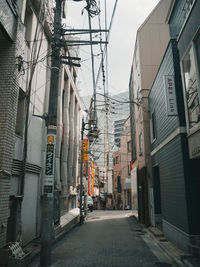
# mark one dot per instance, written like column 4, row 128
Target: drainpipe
column 76, row 121
column 64, row 156
column 71, row 137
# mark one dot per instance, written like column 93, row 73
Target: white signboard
column 170, row 95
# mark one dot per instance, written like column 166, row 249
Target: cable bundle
column 92, row 8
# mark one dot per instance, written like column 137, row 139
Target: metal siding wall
column 178, row 84
column 165, row 124
column 169, row 158
column 190, row 29
column 173, row 198
column 177, row 18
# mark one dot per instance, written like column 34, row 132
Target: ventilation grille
column 17, row 167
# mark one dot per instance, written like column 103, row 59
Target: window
column 117, row 160
column 28, row 23
column 129, row 168
column 191, row 84
column 119, row 190
column 140, row 145
column 187, row 7
column 19, row 127
column 129, row 146
column 197, row 48
column 153, row 127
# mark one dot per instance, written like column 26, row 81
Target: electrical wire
column 92, row 8
column 107, row 39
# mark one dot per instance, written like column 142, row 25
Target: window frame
column 192, row 46
column 140, row 144
column 153, row 130
column 21, row 110
column 117, row 160
column 129, row 146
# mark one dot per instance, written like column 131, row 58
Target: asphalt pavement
column 107, row 238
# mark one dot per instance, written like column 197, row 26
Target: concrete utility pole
column 48, row 198
column 81, row 175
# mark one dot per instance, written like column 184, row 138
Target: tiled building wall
column 9, row 91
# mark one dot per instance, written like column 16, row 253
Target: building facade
column 10, row 33
column 126, row 166
column 170, row 162
column 174, row 169
column 188, row 44
column 117, row 183
column 25, row 71
column 151, row 41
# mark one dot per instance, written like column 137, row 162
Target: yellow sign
column 85, row 150
column 50, row 139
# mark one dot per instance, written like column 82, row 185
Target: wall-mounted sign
column 48, row 185
column 85, row 150
column 170, row 95
column 49, row 159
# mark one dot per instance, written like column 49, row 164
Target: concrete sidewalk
column 67, row 222
column 175, row 254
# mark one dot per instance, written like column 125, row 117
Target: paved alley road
column 108, row 238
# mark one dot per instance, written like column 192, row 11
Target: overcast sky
column 129, row 15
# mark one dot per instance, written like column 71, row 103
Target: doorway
column 157, row 197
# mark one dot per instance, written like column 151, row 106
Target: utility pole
column 81, row 174
column 51, row 122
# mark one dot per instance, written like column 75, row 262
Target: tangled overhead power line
column 92, row 8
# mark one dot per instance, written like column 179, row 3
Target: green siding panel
column 173, row 197
column 165, row 124
column 177, row 18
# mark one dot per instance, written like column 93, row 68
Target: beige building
column 151, row 41
column 117, row 188
column 125, row 152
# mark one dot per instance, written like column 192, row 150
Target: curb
column 178, row 262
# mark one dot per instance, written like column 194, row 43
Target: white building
column 32, row 78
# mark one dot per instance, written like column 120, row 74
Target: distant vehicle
column 90, row 203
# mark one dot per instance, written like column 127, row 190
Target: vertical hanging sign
column 85, row 150
column 170, row 95
column 49, row 168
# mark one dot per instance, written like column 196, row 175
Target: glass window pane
column 191, row 88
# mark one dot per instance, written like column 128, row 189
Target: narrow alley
column 99, row 133
column 108, row 238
